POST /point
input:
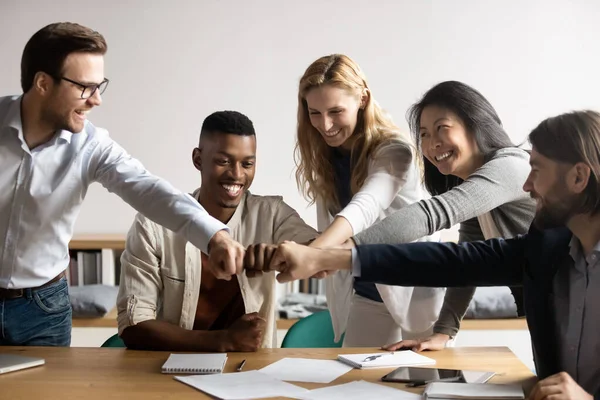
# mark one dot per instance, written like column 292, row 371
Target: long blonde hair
column 314, row 172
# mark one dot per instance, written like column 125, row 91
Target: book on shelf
column 94, row 266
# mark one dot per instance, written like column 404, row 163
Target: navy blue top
column 342, row 167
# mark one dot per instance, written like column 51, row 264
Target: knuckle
column 564, row 376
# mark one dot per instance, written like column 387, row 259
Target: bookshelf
column 95, row 259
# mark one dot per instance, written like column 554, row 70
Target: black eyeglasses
column 88, row 91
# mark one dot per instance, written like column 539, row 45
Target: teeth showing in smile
column 442, row 157
column 332, row 133
column 233, row 190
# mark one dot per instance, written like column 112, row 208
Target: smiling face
column 334, row 113
column 227, row 165
column 62, row 106
column 447, row 144
column 547, row 184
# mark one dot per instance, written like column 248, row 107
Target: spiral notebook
column 210, row 363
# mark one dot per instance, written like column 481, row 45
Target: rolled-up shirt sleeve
column 141, row 283
column 288, row 225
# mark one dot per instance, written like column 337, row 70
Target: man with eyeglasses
column 49, row 155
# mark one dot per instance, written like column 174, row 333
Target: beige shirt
column 160, row 270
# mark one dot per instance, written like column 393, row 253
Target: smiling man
column 167, row 299
column 49, row 155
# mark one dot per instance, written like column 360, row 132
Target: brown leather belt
column 9, row 294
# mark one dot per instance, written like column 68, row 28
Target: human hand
column 437, row 341
column 559, row 387
column 295, row 261
column 245, row 334
column 225, row 256
column 292, row 260
column 348, row 245
column 257, row 259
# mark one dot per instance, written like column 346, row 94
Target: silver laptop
column 13, row 362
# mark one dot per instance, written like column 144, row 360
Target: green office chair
column 314, row 331
column 113, row 341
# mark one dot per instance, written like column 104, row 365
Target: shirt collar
column 576, row 252
column 13, row 117
column 65, row 135
column 574, row 247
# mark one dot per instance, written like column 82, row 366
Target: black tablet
column 415, row 374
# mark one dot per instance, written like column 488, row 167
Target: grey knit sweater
column 496, row 187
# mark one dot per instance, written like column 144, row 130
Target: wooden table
column 108, row 373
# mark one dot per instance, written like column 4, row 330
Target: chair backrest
column 114, row 341
column 314, row 331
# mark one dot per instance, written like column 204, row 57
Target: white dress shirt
column 41, row 192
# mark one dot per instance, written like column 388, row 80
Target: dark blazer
column 531, row 260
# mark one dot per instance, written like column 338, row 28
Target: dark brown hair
column 572, row 138
column 48, row 48
column 476, row 113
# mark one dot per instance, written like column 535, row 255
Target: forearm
column 176, row 211
column 491, row 263
column 337, row 233
column 405, row 225
column 164, row 336
column 497, row 182
column 456, row 303
column 152, row 196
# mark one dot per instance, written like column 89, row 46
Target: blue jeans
column 42, row 317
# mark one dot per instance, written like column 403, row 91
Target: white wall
column 171, row 63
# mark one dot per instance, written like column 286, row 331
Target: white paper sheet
column 306, row 370
column 360, row 390
column 243, row 385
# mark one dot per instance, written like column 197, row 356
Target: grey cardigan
column 496, row 187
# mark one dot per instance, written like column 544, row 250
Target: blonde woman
column 357, row 166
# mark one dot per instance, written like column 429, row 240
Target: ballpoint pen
column 239, row 368
column 375, row 357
